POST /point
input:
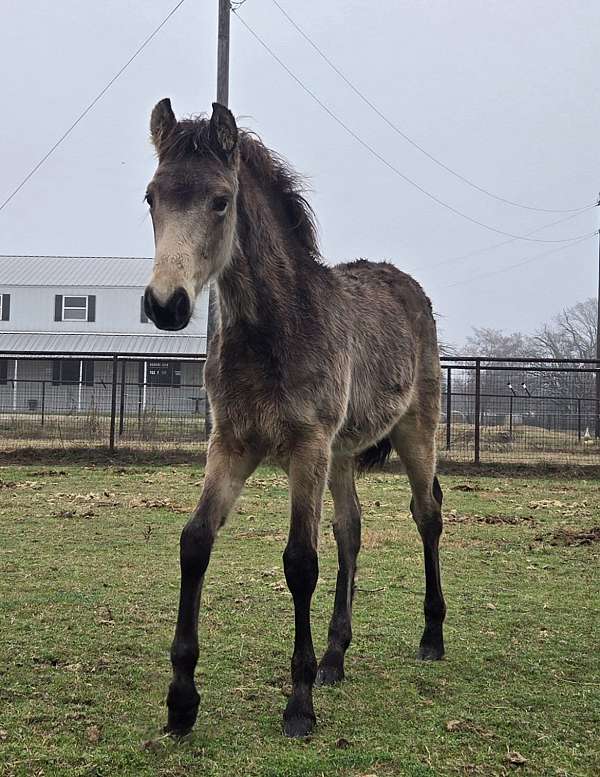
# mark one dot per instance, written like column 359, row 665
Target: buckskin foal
column 312, row 366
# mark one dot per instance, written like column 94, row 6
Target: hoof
column 299, row 717
column 329, row 674
column 430, row 653
column 183, row 702
column 298, row 727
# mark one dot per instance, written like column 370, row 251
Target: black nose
column 173, row 314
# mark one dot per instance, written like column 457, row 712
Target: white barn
column 62, row 320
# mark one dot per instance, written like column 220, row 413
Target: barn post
column 14, row 386
column 43, row 403
column 122, row 401
column 113, row 404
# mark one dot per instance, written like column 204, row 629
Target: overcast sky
column 505, row 93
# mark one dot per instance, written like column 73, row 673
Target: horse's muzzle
column 174, row 314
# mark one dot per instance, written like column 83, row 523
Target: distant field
column 166, row 431
column 88, row 591
column 525, row 444
column 93, row 428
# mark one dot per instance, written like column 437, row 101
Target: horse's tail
column 374, row 457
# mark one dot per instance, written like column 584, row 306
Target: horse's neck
column 263, row 275
column 238, row 293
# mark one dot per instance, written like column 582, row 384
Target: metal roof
column 31, row 343
column 111, row 271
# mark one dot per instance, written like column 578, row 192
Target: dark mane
column 190, row 137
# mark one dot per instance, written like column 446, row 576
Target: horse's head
column 192, row 199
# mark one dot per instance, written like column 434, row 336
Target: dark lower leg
column 225, row 475
column 331, row 666
column 183, row 699
column 347, row 534
column 430, row 528
column 307, row 477
column 301, row 572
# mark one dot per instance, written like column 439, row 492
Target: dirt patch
column 510, row 520
column 76, row 513
column 43, row 473
column 468, row 726
column 572, row 537
column 155, row 504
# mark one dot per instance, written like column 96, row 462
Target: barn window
column 4, row 307
column 74, row 308
column 68, row 372
column 3, row 372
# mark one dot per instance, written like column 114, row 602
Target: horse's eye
column 149, row 199
column 219, row 205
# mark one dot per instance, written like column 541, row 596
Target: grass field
column 88, row 589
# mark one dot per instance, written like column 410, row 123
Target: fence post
column 449, row 409
column 578, row 420
column 113, row 404
column 122, row 402
column 477, row 411
column 510, row 416
column 43, row 402
column 597, row 424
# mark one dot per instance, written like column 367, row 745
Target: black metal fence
column 99, row 400
column 492, row 410
column 517, row 410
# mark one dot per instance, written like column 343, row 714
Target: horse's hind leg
column 346, row 528
column 414, row 442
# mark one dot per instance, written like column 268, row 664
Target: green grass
column 88, row 590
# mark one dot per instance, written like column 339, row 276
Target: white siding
column 117, row 310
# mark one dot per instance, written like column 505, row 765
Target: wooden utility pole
column 223, row 53
column 223, row 98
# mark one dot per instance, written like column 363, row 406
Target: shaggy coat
column 313, row 366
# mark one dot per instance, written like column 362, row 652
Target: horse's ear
column 223, row 131
column 162, row 122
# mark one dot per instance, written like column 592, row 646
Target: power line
column 84, row 113
column 410, row 140
column 478, row 251
column 528, row 260
column 382, row 159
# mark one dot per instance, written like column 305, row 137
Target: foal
column 312, row 366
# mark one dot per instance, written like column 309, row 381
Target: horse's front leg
column 307, row 476
column 226, row 472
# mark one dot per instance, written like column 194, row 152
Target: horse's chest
column 271, row 407
column 249, row 404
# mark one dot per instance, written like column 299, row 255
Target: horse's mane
column 190, row 137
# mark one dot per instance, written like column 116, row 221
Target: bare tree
column 494, row 343
column 571, row 334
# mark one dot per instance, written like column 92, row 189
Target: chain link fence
column 493, row 411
